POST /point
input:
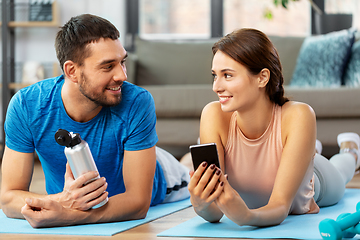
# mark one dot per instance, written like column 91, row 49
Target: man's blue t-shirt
column 35, row 114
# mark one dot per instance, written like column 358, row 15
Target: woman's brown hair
column 254, row 50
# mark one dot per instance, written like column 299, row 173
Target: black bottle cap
column 64, row 138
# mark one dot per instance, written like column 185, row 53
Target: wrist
column 210, row 213
column 54, row 197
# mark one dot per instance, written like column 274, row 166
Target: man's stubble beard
column 100, row 100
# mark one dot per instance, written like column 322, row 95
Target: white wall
column 37, row 44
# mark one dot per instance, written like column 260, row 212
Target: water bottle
column 78, row 155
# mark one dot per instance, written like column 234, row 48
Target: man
column 116, row 118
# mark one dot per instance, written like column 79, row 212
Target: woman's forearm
column 211, row 214
column 268, row 215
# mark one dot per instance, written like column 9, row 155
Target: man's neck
column 77, row 106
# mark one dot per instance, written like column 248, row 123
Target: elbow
column 4, row 206
column 10, row 213
column 277, row 222
column 7, row 208
column 141, row 209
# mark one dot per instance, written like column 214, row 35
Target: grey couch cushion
column 172, row 63
column 181, row 101
column 338, row 102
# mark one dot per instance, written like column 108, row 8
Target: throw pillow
column 322, row 59
column 352, row 71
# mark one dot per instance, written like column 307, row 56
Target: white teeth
column 115, row 88
column 223, row 98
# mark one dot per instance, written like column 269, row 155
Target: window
column 345, row 6
column 174, row 19
column 201, row 19
column 293, row 21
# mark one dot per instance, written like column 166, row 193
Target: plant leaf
column 284, row 3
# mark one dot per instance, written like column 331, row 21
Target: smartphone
column 204, row 152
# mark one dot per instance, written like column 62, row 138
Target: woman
column 266, row 143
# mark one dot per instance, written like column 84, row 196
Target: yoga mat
column 294, row 226
column 18, row 226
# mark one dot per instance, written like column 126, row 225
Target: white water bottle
column 78, row 154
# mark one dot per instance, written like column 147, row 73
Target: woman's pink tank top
column 252, row 164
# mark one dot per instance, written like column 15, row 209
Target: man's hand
column 45, row 213
column 77, row 195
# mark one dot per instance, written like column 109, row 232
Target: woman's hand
column 231, row 204
column 81, row 195
column 204, row 188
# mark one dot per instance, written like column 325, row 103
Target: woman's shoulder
column 212, row 107
column 293, row 109
column 296, row 114
column 214, row 123
column 213, row 111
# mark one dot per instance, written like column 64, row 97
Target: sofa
column 178, row 75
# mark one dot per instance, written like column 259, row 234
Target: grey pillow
column 322, row 60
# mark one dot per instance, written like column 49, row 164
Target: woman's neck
column 254, row 121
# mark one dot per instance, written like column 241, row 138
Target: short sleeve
column 17, row 131
column 141, row 123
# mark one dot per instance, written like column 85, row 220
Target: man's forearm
column 12, row 201
column 119, row 208
column 53, row 214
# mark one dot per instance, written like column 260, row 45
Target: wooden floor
column 147, row 231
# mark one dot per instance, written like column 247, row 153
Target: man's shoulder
column 42, row 87
column 38, row 95
column 132, row 97
column 132, row 90
column 132, row 94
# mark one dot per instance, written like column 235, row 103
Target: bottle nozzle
column 63, row 137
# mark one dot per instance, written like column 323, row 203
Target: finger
column 36, row 204
column 85, row 178
column 94, row 197
column 26, row 208
column 205, row 178
column 69, row 173
column 99, row 199
column 90, row 202
column 224, row 179
column 197, row 175
column 213, row 182
column 81, row 198
column 94, row 185
column 218, row 191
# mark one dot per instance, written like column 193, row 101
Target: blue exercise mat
column 8, row 225
column 295, row 226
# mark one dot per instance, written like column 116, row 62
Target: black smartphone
column 204, row 152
